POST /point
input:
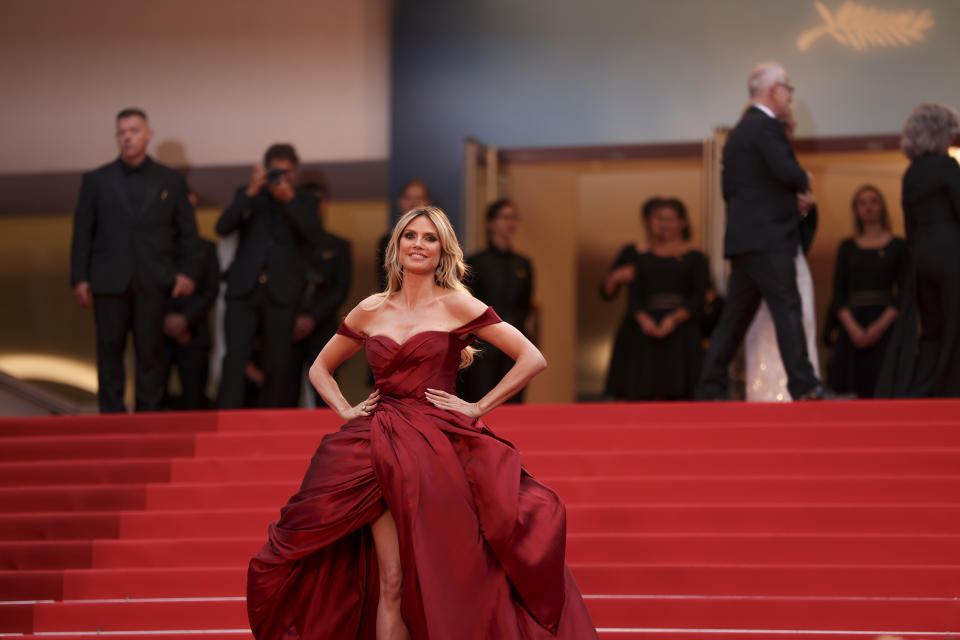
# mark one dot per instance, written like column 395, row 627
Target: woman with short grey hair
column 927, row 364
column 929, row 130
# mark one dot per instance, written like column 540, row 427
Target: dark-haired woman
column 928, row 364
column 503, row 279
column 657, row 352
column 866, row 280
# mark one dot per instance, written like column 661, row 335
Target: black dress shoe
column 820, row 392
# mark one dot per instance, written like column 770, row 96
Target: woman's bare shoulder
column 360, row 316
column 463, row 306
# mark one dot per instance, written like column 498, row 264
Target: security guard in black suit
column 135, row 244
column 277, row 224
column 187, row 341
column 329, row 272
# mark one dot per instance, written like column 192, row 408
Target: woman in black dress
column 928, row 364
column 657, row 352
column 503, row 279
column 866, row 281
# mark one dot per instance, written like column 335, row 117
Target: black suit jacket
column 114, row 246
column 931, row 192
column 274, row 239
column 196, row 307
column 761, row 179
column 328, row 280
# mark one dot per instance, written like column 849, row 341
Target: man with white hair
column 762, row 183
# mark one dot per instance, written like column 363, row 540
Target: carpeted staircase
column 717, row 520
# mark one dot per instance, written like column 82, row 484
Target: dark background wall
column 568, row 72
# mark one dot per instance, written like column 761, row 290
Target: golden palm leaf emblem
column 862, row 27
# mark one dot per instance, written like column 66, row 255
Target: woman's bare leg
column 389, row 622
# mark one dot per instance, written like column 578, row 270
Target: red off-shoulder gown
column 481, row 542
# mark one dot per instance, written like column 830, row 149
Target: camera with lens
column 274, row 176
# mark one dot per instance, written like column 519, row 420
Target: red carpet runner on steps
column 817, row 520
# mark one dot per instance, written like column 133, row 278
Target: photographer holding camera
column 277, row 225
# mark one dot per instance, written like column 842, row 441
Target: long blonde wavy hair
column 449, row 273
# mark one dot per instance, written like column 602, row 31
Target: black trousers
column 193, row 366
column 245, row 319
column 115, row 316
column 754, row 277
column 937, row 372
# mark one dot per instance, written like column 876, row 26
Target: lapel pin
column 163, row 194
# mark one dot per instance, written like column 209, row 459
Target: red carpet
column 828, row 520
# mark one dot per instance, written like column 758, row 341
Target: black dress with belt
column 647, row 368
column 865, row 281
column 927, row 364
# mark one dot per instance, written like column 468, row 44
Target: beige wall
column 546, row 197
column 220, row 79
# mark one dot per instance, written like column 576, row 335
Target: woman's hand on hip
column 450, row 402
column 363, row 409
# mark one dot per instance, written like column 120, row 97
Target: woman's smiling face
column 419, row 246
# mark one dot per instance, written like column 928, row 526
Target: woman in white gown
column 765, row 376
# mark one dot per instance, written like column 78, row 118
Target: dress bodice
column 868, row 278
column 427, row 359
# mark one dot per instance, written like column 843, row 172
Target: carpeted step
column 73, row 498
column 791, row 580
column 771, row 612
column 126, row 582
column 917, row 581
column 650, row 489
column 604, row 634
column 680, row 612
column 599, row 437
column 603, row 437
column 93, row 471
column 720, row 413
column 122, row 423
column 616, row 462
column 573, row 489
column 860, row 412
column 581, row 548
column 581, row 518
column 222, row 634
column 24, row 448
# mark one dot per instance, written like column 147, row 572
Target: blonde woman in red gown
column 415, row 520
